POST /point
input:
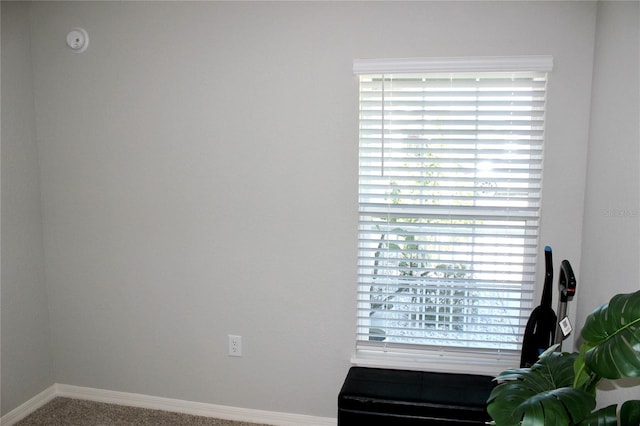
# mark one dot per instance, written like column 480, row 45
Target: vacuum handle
column 567, row 282
column 567, row 286
column 547, row 294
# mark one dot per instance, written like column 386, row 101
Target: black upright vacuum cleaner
column 540, row 331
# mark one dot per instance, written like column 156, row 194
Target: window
column 450, row 173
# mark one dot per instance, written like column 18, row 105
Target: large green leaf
column 630, row 413
column 604, row 417
column 608, row 416
column 585, row 379
column 540, row 395
column 613, row 334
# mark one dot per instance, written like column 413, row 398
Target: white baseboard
column 167, row 404
column 28, row 407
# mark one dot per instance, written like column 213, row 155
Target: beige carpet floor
column 74, row 412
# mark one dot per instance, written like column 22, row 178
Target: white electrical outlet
column 235, row 345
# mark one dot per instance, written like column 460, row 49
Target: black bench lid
column 386, row 387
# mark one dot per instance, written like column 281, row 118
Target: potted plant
column 560, row 389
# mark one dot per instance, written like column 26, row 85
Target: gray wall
column 611, row 237
column 199, row 178
column 26, row 351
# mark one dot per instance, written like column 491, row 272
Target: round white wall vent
column 78, row 40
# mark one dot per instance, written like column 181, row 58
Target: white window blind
column 450, row 172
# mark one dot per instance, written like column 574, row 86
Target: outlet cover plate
column 235, row 345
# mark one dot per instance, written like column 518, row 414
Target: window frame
column 443, row 359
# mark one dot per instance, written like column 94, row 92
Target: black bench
column 373, row 396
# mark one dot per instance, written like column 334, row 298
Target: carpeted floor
column 74, row 412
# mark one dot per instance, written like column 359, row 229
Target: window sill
column 441, row 362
